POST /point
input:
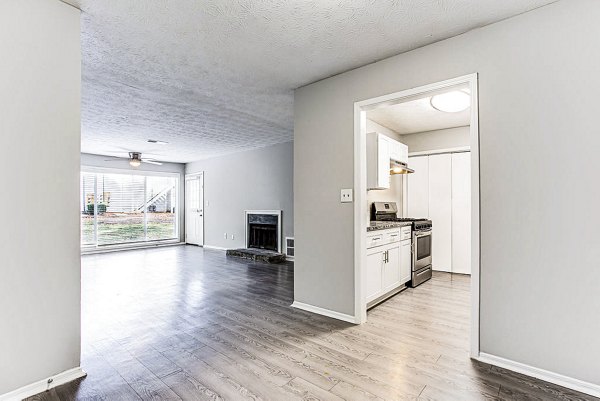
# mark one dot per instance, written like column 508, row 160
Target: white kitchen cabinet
column 398, row 151
column 405, row 261
column 380, row 150
column 378, row 161
column 391, row 267
column 386, row 263
column 374, row 283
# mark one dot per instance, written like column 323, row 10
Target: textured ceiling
column 217, row 76
column 419, row 116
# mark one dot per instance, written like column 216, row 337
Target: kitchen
column 418, row 192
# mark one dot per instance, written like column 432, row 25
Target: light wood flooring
column 183, row 323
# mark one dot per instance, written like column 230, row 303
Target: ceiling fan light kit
column 135, row 160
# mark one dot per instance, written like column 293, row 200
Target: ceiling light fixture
column 135, row 162
column 156, row 142
column 451, row 102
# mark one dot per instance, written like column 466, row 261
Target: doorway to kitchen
column 442, row 163
column 194, row 209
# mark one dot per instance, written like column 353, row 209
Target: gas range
column 387, row 211
column 417, row 224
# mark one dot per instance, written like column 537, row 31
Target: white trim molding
column 325, row 312
column 214, row 248
column 361, row 213
column 267, row 212
column 550, row 377
column 43, row 385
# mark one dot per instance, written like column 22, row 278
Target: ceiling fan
column 135, row 160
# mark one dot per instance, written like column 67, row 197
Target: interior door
column 461, row 213
column 194, row 209
column 440, row 210
column 418, row 187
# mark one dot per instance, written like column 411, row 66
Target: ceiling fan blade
column 151, row 162
column 116, row 159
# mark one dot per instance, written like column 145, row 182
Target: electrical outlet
column 225, row 235
column 232, row 236
column 346, row 195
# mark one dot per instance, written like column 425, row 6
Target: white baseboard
column 551, row 377
column 325, row 312
column 217, row 248
column 43, row 385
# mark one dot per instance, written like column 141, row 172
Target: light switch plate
column 346, row 195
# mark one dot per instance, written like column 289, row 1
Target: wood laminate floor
column 183, row 323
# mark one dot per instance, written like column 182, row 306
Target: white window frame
column 137, row 244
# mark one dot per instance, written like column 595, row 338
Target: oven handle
column 422, row 233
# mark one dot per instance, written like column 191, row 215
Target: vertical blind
column 127, row 208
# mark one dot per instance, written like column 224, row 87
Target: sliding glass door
column 123, row 208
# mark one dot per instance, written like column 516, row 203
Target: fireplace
column 263, row 229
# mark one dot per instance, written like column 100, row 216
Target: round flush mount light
column 451, row 102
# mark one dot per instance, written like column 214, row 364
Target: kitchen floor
column 183, row 323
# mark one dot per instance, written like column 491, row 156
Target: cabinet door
column 383, row 161
column 461, row 213
column 395, row 151
column 391, row 268
column 418, row 187
column 374, row 272
column 440, row 210
column 405, row 261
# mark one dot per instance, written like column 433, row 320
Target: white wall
column 88, row 160
column 253, row 180
column 39, row 175
column 439, row 139
column 539, row 239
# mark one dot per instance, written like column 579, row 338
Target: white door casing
column 194, row 209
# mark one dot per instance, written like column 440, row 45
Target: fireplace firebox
column 263, row 230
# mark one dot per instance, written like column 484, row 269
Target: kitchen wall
column 394, row 193
column 259, row 179
column 88, row 160
column 439, row 139
column 538, row 223
column 40, row 85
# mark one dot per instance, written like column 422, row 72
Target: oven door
column 422, row 249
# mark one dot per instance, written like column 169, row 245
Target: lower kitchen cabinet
column 374, row 284
column 405, row 261
column 391, row 268
column 388, row 267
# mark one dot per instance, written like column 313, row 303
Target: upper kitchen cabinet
column 398, row 151
column 381, row 150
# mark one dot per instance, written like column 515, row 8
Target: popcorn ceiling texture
column 215, row 77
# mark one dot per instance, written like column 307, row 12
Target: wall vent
column 289, row 247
